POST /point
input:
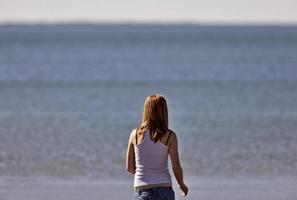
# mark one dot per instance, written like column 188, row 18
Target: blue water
column 71, row 94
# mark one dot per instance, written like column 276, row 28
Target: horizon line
column 145, row 22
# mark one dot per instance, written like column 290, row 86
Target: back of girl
column 147, row 154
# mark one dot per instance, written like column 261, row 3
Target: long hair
column 155, row 116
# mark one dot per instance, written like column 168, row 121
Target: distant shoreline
column 154, row 24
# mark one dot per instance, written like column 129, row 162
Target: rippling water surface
column 71, row 94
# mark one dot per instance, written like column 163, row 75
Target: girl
column 147, row 154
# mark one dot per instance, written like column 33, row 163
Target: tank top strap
column 136, row 135
column 168, row 136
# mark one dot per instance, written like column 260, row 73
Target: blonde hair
column 155, row 116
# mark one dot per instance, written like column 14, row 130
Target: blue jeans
column 155, row 193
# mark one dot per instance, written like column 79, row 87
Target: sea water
column 71, row 94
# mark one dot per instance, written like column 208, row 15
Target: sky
column 158, row 11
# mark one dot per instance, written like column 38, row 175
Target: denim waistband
column 152, row 188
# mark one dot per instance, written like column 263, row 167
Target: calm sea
column 71, row 94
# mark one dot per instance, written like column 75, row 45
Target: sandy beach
column 200, row 188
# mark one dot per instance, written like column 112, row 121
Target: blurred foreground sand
column 199, row 188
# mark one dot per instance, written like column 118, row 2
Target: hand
column 184, row 190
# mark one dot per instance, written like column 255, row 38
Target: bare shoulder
column 132, row 136
column 173, row 134
column 173, row 137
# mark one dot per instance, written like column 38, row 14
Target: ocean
column 71, row 94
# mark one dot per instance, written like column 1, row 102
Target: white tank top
column 151, row 162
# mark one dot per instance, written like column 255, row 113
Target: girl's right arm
column 176, row 167
column 130, row 157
